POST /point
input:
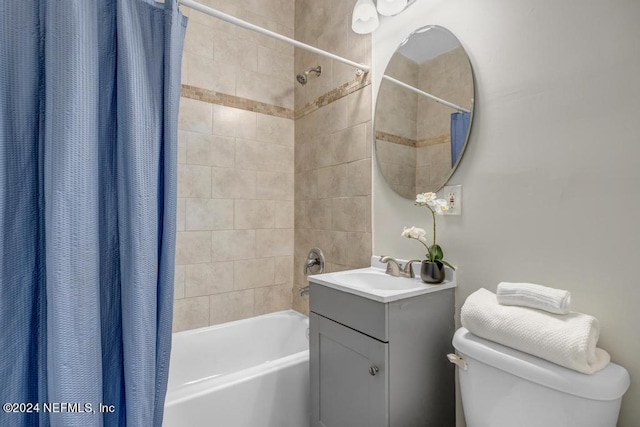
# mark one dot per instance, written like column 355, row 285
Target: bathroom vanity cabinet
column 381, row 363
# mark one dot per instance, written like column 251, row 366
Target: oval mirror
column 424, row 111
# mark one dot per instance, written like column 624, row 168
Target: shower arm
column 360, row 68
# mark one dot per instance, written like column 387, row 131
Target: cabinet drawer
column 361, row 314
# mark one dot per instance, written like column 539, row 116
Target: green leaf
column 430, row 254
column 447, row 264
column 437, row 252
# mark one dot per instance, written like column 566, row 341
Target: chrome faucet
column 303, row 291
column 314, row 262
column 395, row 269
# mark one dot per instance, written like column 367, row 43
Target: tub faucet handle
column 314, row 262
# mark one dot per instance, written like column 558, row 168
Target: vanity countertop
column 373, row 283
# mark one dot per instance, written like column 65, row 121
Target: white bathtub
column 249, row 373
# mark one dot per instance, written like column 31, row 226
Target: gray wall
column 550, row 174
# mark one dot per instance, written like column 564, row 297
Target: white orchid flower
column 440, row 205
column 414, row 233
column 435, row 206
column 425, row 198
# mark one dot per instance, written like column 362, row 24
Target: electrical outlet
column 453, row 195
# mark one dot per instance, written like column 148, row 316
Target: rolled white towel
column 553, row 300
column 568, row 340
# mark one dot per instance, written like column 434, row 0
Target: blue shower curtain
column 459, row 130
column 89, row 93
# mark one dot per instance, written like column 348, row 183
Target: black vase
column 432, row 272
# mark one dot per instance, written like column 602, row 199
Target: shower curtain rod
column 428, row 95
column 360, row 68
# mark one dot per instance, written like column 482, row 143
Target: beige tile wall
column 332, row 146
column 326, row 24
column 235, row 241
column 433, row 166
column 396, row 114
column 397, row 164
column 448, row 76
column 238, row 252
column 397, row 108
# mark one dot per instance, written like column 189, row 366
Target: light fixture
column 365, row 17
column 365, row 13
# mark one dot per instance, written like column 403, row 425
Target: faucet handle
column 393, row 269
column 408, row 268
column 314, row 261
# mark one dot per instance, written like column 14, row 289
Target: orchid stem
column 433, row 216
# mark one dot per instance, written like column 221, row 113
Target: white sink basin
column 375, row 280
column 373, row 283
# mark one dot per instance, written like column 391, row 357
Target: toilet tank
column 503, row 387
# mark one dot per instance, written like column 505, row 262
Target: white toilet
column 502, row 387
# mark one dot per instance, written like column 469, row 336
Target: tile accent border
column 213, row 97
column 395, row 139
column 401, row 140
column 219, row 98
column 434, row 140
column 333, row 95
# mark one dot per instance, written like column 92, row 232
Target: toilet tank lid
column 609, row 383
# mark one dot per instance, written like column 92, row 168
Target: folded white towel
column 531, row 295
column 568, row 340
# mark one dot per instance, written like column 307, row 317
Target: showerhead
column 302, row 77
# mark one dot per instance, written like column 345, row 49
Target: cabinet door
column 349, row 376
